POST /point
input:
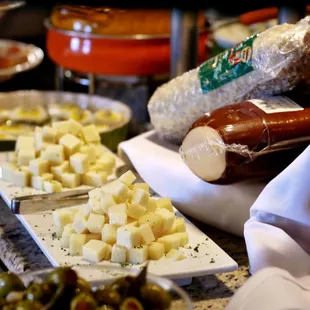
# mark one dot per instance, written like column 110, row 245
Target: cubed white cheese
column 135, row 210
column 167, row 219
column 170, row 242
column 143, row 186
column 12, row 158
column 156, row 250
column 37, row 182
column 94, row 205
column 71, row 144
column 165, row 203
column 62, row 128
column 95, row 178
column 106, row 161
column 108, row 233
column 118, row 208
column 118, row 189
column 151, row 205
column 108, row 252
column 183, row 237
column 66, row 235
column 119, row 254
column 128, row 178
column 49, row 134
column 38, row 166
column 59, row 231
column 99, row 148
column 54, row 154
column 139, row 196
column 94, row 251
column 90, row 151
column 71, row 180
column 7, row 171
column 58, row 171
column 95, row 223
column 90, row 134
column 107, row 201
column 118, row 219
column 80, row 224
column 52, row 186
column 25, row 155
column 146, row 233
column 155, row 221
column 21, row 178
column 138, row 255
column 77, row 242
column 75, row 128
column 175, row 255
column 95, row 193
column 62, row 217
column 85, row 210
column 180, row 224
column 79, row 163
column 24, row 142
column 128, row 236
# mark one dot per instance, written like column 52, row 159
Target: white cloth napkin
column 278, row 232
column 160, row 165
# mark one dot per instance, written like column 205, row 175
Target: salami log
column 252, row 140
column 269, row 63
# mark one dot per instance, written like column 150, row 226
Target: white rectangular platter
column 203, row 256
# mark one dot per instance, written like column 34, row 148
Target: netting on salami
column 269, row 63
column 252, row 140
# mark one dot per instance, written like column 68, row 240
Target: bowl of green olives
column 64, row 288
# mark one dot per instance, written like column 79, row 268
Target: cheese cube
column 98, row 147
column 62, row 217
column 118, row 219
column 119, row 254
column 180, row 224
column 107, row 201
column 183, row 237
column 135, row 210
column 132, row 222
column 58, row 171
column 77, row 242
column 12, row 158
column 24, row 142
column 7, row 171
column 90, row 151
column 47, row 176
column 74, row 127
column 146, row 233
column 59, row 231
column 66, row 235
column 25, row 155
column 49, row 134
column 95, row 178
column 90, row 134
column 118, row 208
column 155, row 222
column 108, row 233
column 79, row 163
column 38, row 166
column 94, row 205
column 138, row 255
column 71, row 180
column 71, row 144
column 52, row 186
column 175, row 255
column 143, row 186
column 94, row 251
column 128, row 178
column 156, row 250
column 85, row 210
column 167, row 219
column 37, row 182
column 54, row 154
column 118, row 189
column 95, row 193
column 151, row 205
column 139, row 196
column 95, row 223
column 21, row 178
column 169, row 242
column 80, row 224
column 62, row 128
column 128, row 236
column 108, row 252
column 106, row 162
column 165, row 203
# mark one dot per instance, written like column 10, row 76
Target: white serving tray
column 203, row 256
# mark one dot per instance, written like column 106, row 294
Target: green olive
column 83, row 301
column 28, row 305
column 131, row 303
column 83, row 286
column 41, row 292
column 108, row 296
column 155, row 297
column 120, row 285
column 10, row 282
column 63, row 276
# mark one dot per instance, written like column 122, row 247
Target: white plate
column 203, row 256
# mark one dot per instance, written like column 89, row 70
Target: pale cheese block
column 62, row 217
column 90, row 134
column 62, row 128
column 155, row 222
column 106, row 202
column 135, row 210
column 95, row 223
column 95, row 193
column 21, row 178
column 12, row 158
column 128, row 236
column 183, row 237
column 118, row 214
column 70, row 180
column 70, row 143
column 108, row 252
column 24, row 142
column 109, row 233
column 119, row 254
column 94, row 251
column 98, row 147
column 80, row 224
column 140, row 197
column 156, row 250
column 75, row 128
column 151, row 205
column 54, row 154
column 25, row 155
column 143, row 186
column 38, row 166
column 175, row 255
column 79, row 163
column 95, row 205
column 167, row 219
column 77, row 242
column 7, row 171
column 95, row 178
column 90, row 151
column 138, row 255
column 146, row 233
column 59, row 170
column 180, row 225
column 52, row 186
column 37, row 181
column 106, row 162
column 118, row 189
column 164, row 203
column 66, row 235
column 118, row 208
column 169, row 242
column 49, row 134
column 127, row 178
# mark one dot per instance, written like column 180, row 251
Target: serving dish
column 111, row 135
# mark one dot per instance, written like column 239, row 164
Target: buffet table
column 19, row 253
